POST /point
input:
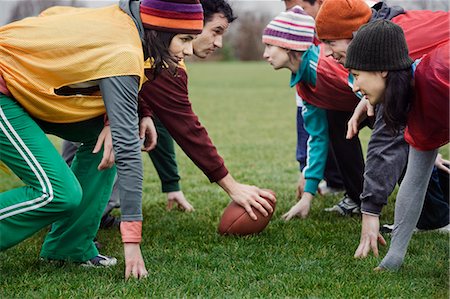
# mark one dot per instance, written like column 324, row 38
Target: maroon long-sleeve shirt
column 167, row 98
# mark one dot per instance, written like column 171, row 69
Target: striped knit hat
column 178, row 16
column 292, row 29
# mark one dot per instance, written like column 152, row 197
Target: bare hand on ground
column 178, row 198
column 301, row 208
column 370, row 236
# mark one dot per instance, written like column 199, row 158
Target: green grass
column 249, row 111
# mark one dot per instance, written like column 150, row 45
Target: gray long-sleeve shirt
column 120, row 95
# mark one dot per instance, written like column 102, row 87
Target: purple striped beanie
column 292, row 29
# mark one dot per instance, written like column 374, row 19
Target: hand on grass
column 301, row 208
column 134, row 263
column 105, row 140
column 178, row 198
column 361, row 112
column 370, row 236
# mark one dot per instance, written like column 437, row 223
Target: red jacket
column 331, row 90
column 424, row 30
column 428, row 119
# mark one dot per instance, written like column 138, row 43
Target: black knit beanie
column 378, row 46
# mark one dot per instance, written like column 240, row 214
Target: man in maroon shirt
column 167, row 98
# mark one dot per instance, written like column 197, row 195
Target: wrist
column 228, row 184
column 105, row 120
column 307, row 196
column 369, row 214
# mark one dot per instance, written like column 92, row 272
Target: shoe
column 444, row 229
column 346, row 207
column 324, row 189
column 387, row 229
column 100, row 261
column 109, row 221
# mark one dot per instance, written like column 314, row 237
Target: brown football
column 236, row 221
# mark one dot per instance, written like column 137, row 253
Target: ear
column 384, row 74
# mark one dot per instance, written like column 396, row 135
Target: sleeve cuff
column 311, row 186
column 131, row 231
column 167, row 187
column 370, row 214
column 371, row 208
column 217, row 174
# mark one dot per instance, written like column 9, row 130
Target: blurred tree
column 247, row 38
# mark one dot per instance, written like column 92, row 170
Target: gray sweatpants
column 408, row 206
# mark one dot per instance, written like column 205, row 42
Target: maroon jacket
column 167, row 98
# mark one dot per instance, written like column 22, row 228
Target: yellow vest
column 67, row 46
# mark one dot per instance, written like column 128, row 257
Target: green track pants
column 70, row 200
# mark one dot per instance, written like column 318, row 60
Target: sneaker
column 324, row 189
column 100, row 261
column 444, row 229
column 387, row 229
column 346, row 207
column 109, row 221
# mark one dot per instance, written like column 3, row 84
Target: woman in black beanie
column 415, row 94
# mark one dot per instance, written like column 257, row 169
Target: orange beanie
column 338, row 19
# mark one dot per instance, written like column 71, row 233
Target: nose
column 327, row 50
column 218, row 41
column 355, row 87
column 187, row 50
column 266, row 53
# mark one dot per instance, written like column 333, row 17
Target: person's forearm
column 120, row 97
column 228, row 184
column 316, row 124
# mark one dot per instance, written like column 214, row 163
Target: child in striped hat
column 289, row 40
column 291, row 32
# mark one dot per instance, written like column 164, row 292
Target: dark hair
column 292, row 54
column 157, row 48
column 398, row 96
column 211, row 7
column 312, row 2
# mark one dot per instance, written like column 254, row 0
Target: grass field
column 249, row 112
